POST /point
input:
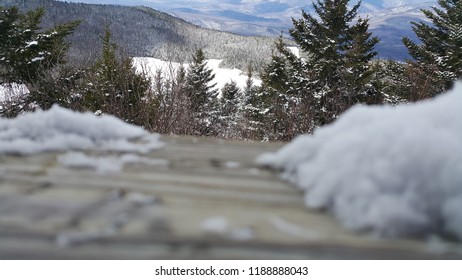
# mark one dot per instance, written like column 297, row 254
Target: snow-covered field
column 392, row 171
column 10, row 91
column 151, row 65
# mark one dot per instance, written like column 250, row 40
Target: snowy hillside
column 151, row 65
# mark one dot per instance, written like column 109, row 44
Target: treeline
column 336, row 70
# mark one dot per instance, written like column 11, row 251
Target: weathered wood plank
column 209, row 201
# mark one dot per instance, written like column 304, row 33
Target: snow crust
column 106, row 164
column 390, row 171
column 59, row 129
column 220, row 226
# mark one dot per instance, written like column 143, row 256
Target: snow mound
column 391, row 171
column 59, row 129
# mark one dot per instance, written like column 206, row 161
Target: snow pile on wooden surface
column 391, row 171
column 59, row 129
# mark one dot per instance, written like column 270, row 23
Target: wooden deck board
column 49, row 211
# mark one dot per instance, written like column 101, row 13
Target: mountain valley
column 389, row 19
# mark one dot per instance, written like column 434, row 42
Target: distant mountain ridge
column 390, row 19
column 142, row 31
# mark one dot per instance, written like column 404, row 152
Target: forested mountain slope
column 142, row 31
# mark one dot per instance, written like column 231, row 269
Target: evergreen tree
column 231, row 98
column 202, row 94
column 112, row 85
column 249, row 81
column 27, row 52
column 286, row 73
column 34, row 57
column 285, row 90
column 359, row 71
column 439, row 56
column 390, row 79
column 251, row 125
column 300, row 93
column 337, row 69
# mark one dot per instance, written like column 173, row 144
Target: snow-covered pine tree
column 439, row 55
column 26, row 51
column 285, row 101
column 249, row 84
column 358, row 70
column 202, row 94
column 250, row 125
column 300, row 93
column 336, row 49
column 112, row 85
column 231, row 98
column 32, row 56
column 390, row 80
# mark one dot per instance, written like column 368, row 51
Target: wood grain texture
column 210, row 201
